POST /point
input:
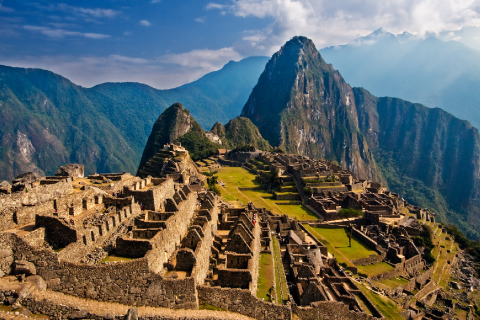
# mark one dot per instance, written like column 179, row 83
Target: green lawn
column 280, row 280
column 338, row 239
column 236, row 177
column 394, row 282
column 386, row 306
column 375, row 269
column 265, row 276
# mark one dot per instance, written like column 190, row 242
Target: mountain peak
column 302, row 104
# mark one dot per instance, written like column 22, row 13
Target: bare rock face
column 71, row 170
column 25, row 267
column 5, row 187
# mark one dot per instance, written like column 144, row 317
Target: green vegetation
column 280, row 280
column 337, row 239
column 212, row 184
column 240, row 134
column 375, row 269
column 394, row 282
column 236, row 177
column 387, row 307
column 197, row 143
column 471, row 247
column 265, row 276
column 350, row 213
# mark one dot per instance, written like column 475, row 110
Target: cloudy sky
column 166, row 43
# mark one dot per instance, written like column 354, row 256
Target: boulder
column 71, row 170
column 38, row 282
column 24, row 267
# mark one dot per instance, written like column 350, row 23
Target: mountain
column 304, row 105
column 443, row 74
column 176, row 125
column 173, row 123
column 240, row 132
column 47, row 121
column 431, row 157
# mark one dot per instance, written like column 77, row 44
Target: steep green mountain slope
column 428, row 155
column 304, row 105
column 47, row 121
column 239, row 132
column 428, row 71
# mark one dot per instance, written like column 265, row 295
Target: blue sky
column 166, row 43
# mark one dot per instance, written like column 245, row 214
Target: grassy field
column 386, row 306
column 375, row 269
column 235, row 177
column 280, row 280
column 394, row 282
column 265, row 276
column 336, row 240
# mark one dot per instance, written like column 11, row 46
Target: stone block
column 24, row 267
column 38, row 282
column 54, row 282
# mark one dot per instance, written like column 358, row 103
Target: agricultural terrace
column 337, row 243
column 236, row 178
column 266, row 277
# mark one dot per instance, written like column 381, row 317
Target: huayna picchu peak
column 302, row 104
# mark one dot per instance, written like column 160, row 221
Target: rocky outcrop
column 174, row 122
column 302, row 104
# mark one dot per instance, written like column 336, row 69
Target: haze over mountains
column 442, row 74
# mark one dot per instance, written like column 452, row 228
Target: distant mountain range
column 47, row 121
column 441, row 74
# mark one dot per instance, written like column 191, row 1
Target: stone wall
column 202, row 251
column 365, row 239
column 154, row 197
column 130, row 283
column 426, row 289
column 329, row 310
column 243, row 302
column 21, row 207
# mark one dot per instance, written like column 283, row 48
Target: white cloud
column 155, row 1
column 89, row 71
column 79, row 11
column 215, row 6
column 329, row 22
column 200, row 20
column 208, row 60
column 145, row 23
column 61, row 33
